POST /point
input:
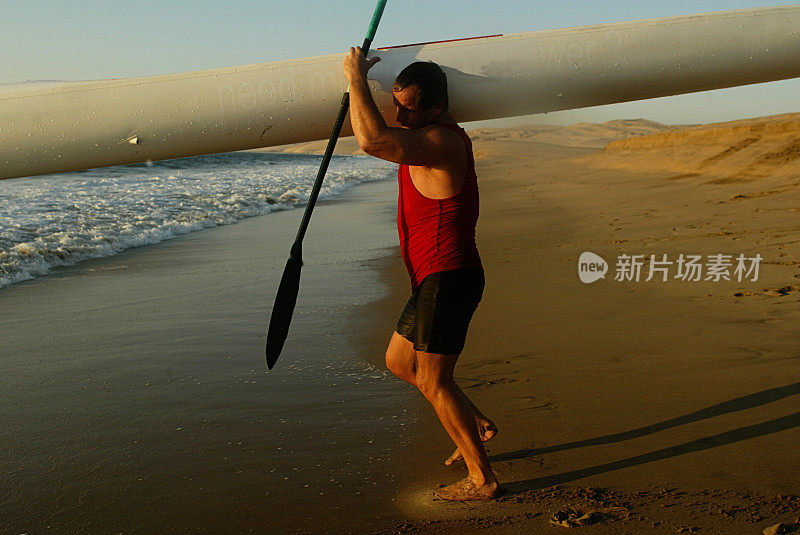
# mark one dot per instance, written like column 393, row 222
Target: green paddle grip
column 373, row 25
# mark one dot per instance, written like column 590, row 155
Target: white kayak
column 64, row 126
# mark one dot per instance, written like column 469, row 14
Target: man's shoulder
column 453, row 150
column 448, row 127
column 448, row 133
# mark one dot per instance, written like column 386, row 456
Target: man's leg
column 401, row 360
column 486, row 428
column 434, row 376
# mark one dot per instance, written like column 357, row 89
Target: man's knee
column 400, row 358
column 393, row 363
column 431, row 386
column 434, row 373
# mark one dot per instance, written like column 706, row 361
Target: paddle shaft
column 337, row 128
column 289, row 287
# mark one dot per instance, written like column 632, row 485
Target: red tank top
column 438, row 234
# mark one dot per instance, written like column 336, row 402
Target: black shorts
column 437, row 315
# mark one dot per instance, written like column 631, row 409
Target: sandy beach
column 635, row 406
column 650, row 406
column 661, row 406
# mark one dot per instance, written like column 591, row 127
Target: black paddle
column 290, row 283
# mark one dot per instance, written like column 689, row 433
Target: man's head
column 420, row 94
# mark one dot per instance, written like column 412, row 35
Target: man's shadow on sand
column 721, row 439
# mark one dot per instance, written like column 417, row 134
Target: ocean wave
column 60, row 220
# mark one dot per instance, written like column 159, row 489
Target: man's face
column 409, row 113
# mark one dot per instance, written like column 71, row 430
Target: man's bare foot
column 467, row 490
column 486, row 429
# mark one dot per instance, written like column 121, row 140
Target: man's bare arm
column 430, row 146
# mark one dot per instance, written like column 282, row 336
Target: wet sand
column 136, row 397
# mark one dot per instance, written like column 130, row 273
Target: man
column 437, row 213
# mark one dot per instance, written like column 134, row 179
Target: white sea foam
column 59, row 220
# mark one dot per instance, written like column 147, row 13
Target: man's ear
column 438, row 108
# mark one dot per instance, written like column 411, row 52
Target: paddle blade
column 284, row 307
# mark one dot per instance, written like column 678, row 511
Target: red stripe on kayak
column 445, row 41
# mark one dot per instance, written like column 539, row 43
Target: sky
column 92, row 39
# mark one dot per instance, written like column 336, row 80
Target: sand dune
column 587, row 135
column 578, row 135
column 764, row 151
column 738, row 151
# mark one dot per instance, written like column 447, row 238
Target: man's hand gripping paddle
column 290, row 283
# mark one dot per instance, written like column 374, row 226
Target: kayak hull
column 79, row 125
